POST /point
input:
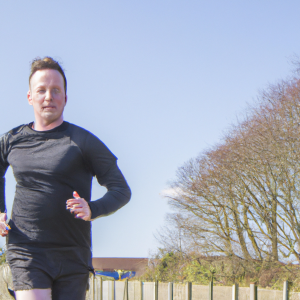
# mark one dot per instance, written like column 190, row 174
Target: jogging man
column 53, row 161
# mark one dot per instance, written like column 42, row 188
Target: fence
column 137, row 290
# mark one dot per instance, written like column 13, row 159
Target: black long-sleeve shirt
column 48, row 166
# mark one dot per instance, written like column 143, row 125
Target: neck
column 41, row 126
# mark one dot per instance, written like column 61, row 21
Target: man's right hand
column 3, row 230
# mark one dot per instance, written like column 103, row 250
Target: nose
column 48, row 96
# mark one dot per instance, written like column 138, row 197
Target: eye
column 41, row 91
column 55, row 90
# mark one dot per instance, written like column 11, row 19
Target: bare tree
column 241, row 198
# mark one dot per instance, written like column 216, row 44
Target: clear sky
column 157, row 81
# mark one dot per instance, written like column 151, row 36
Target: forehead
column 46, row 77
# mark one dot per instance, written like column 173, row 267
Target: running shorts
column 65, row 269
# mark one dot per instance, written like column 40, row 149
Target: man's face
column 47, row 96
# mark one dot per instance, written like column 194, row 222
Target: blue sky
column 157, row 81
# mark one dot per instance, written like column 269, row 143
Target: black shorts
column 65, row 270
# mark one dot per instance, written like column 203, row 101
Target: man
column 48, row 245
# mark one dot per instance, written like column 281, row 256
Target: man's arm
column 104, row 166
column 118, row 193
column 3, row 168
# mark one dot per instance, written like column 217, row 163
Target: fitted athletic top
column 48, row 166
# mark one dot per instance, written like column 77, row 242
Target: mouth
column 48, row 107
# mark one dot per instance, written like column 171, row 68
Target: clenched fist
column 3, row 226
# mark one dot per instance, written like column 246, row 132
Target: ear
column 66, row 98
column 29, row 97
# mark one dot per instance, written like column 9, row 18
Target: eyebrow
column 43, row 86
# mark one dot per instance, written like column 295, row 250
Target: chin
column 50, row 118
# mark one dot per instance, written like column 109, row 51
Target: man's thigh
column 35, row 294
column 70, row 287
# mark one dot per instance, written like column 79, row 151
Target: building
column 110, row 264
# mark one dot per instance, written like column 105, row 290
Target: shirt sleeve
column 3, row 168
column 103, row 165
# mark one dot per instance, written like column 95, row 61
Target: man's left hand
column 80, row 208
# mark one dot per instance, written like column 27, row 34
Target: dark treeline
column 241, row 199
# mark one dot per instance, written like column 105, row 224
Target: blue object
column 116, row 275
